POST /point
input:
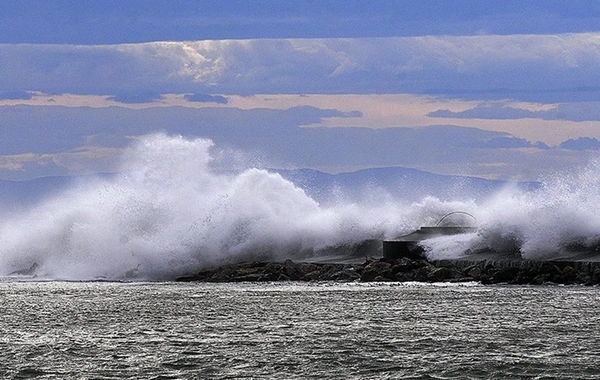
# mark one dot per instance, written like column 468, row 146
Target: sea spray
column 166, row 214
column 559, row 219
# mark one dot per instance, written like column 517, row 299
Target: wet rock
column 525, row 276
column 346, row 275
column 462, row 279
column 314, row 275
column 308, row 267
column 505, row 275
column 440, row 274
column 422, row 274
column 473, row 271
column 584, row 278
column 549, row 269
column 404, row 276
column 245, row 271
column 567, row 276
column 328, row 269
column 403, row 264
column 253, row 277
column 382, row 279
column 292, row 270
column 376, row 269
column 540, row 279
column 596, row 276
column 404, row 269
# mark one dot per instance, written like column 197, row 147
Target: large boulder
column 505, row 275
column 376, row 269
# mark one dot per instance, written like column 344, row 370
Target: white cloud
column 526, row 66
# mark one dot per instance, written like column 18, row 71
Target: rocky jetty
column 405, row 269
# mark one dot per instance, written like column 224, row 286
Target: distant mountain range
column 363, row 185
column 396, row 182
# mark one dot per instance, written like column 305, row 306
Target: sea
column 291, row 330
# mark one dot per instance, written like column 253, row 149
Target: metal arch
column 457, row 212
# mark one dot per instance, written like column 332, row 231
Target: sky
column 494, row 89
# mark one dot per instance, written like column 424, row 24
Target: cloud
column 55, row 129
column 506, row 142
column 205, row 98
column 15, row 95
column 136, row 97
column 581, row 143
column 583, row 111
column 529, row 67
column 494, row 111
column 57, row 140
column 114, row 21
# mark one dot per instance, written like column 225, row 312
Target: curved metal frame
column 457, row 212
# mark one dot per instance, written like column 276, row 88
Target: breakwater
column 405, row 269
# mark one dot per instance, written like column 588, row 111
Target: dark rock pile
column 404, row 269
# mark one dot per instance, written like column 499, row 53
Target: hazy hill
column 368, row 184
column 397, row 182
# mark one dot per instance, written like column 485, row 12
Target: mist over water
column 167, row 214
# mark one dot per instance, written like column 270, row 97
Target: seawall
column 406, row 269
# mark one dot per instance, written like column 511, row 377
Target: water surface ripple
column 287, row 330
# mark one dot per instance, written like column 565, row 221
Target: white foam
column 558, row 218
column 168, row 214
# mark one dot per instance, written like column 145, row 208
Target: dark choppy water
column 283, row 330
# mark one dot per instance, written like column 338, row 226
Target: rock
column 308, row 267
column 346, row 275
column 253, row 277
column 381, row 279
column 440, row 274
column 473, row 271
column 584, row 278
column 292, row 270
column 462, row 279
column 378, row 266
column 567, row 276
column 328, row 269
column 403, row 264
column 368, row 275
column 245, row 271
column 505, row 275
column 404, row 276
column 314, row 275
column 403, row 269
column 538, row 280
column 422, row 274
column 596, row 276
column 549, row 269
column 525, row 276
column 271, row 276
column 376, row 269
